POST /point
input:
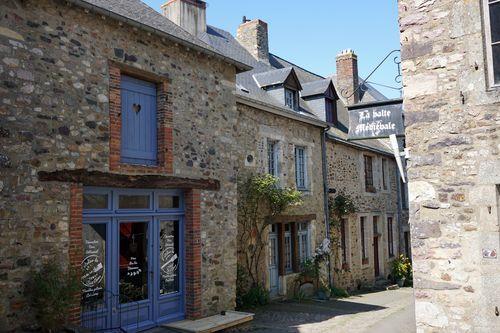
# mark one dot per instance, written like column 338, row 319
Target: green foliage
column 253, row 297
column 401, row 268
column 309, row 269
column 340, row 206
column 260, row 199
column 53, row 293
column 339, row 292
column 263, row 191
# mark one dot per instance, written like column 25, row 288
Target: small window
column 390, row 237
column 95, row 201
column 364, row 252
column 369, row 187
column 134, row 201
column 168, row 201
column 304, row 246
column 291, row 99
column 272, row 158
column 492, row 24
column 300, row 168
column 385, row 173
column 343, row 241
column 331, row 111
column 288, row 249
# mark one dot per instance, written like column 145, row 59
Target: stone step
column 211, row 324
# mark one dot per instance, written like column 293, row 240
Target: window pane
column 95, row 201
column 168, row 201
column 495, row 21
column 169, row 257
column 133, row 261
column 93, row 266
column 133, row 202
column 271, row 157
column 288, row 252
column 496, row 63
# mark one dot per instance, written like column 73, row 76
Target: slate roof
column 249, row 85
column 252, row 75
column 313, row 88
column 273, row 77
column 138, row 13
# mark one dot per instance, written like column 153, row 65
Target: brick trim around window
column 75, row 251
column 192, row 245
column 164, row 121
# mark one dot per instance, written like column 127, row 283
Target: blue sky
column 311, row 33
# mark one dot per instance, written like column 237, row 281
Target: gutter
column 279, row 111
column 357, row 145
column 83, row 4
column 325, row 196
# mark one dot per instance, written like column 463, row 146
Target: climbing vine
column 339, row 206
column 260, row 199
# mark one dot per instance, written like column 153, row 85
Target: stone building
column 451, row 75
column 276, row 89
column 366, row 172
column 118, row 155
column 279, row 136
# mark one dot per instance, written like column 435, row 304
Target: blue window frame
column 139, row 122
column 300, row 168
column 137, row 246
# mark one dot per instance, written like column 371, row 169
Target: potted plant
column 401, row 268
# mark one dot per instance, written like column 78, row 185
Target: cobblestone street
column 386, row 311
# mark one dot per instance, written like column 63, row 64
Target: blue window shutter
column 139, row 126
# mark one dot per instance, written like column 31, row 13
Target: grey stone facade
column 255, row 128
column 452, row 127
column 346, row 175
column 54, row 115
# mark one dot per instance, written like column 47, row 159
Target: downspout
column 325, row 195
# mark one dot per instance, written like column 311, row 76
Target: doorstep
column 211, row 324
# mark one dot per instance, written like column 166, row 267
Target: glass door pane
column 133, row 261
column 169, row 257
column 93, row 266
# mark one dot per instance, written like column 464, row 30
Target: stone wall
column 255, row 127
column 54, row 114
column 346, row 176
column 452, row 131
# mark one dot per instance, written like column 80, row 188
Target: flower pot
column 401, row 282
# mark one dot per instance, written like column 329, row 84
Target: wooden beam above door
column 109, row 179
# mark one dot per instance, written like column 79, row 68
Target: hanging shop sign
column 376, row 120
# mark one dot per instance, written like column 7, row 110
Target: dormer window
column 331, row 111
column 291, row 99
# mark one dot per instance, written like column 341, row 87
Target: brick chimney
column 347, row 75
column 191, row 15
column 253, row 36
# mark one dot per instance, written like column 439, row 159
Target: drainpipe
column 400, row 210
column 325, row 194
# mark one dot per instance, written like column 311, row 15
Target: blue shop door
column 133, row 310
column 133, row 267
column 139, row 125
